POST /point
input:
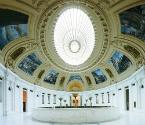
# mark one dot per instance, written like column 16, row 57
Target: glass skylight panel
column 74, row 36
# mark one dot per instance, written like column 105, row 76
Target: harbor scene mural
column 51, row 76
column 120, row 62
column 30, row 64
column 75, row 77
column 99, row 76
column 12, row 26
column 133, row 22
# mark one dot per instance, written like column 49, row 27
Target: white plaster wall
column 2, row 75
column 39, row 91
column 13, row 94
column 18, row 99
column 142, row 95
column 12, row 99
column 117, row 93
column 1, row 100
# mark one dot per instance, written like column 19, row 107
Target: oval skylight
column 74, row 36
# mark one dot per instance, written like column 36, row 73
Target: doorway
column 24, row 100
column 76, row 100
column 127, row 99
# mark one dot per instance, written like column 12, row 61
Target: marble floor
column 128, row 118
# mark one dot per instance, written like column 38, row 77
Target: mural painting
column 75, row 77
column 12, row 26
column 30, row 64
column 120, row 62
column 99, row 76
column 51, row 76
column 133, row 22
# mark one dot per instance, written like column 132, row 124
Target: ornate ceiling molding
column 28, row 46
column 134, row 46
column 46, row 27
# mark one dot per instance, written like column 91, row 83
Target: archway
column 75, row 86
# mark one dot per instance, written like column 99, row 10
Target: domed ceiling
column 72, row 45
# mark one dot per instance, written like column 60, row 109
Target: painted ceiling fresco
column 120, row 62
column 21, row 52
column 88, row 80
column 109, row 72
column 75, row 77
column 30, row 64
column 133, row 22
column 51, row 76
column 62, row 79
column 99, row 76
column 12, row 26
